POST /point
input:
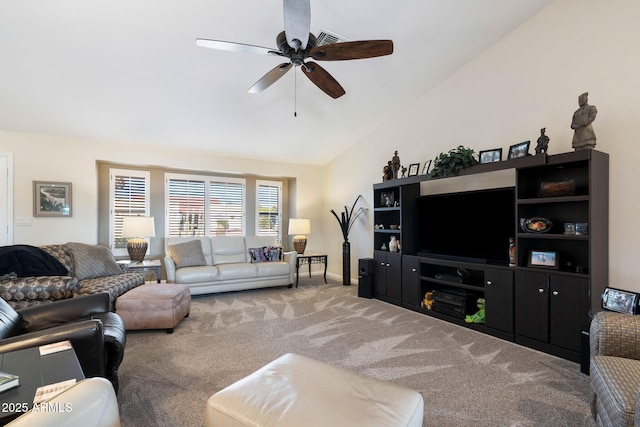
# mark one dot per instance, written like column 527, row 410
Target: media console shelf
column 539, row 305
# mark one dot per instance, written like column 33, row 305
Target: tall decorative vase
column 346, row 263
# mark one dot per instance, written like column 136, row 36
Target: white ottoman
column 294, row 391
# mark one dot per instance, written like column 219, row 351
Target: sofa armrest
column 615, row 334
column 170, row 268
column 85, row 336
column 290, row 258
column 60, row 312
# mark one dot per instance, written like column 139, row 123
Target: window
column 128, row 196
column 269, row 203
column 204, row 206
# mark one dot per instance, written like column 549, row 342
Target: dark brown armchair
column 97, row 335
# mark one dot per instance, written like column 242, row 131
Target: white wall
column 46, row 158
column 528, row 80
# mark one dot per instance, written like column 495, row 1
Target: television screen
column 472, row 226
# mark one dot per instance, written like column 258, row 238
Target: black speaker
column 365, row 277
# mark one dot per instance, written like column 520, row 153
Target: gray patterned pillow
column 187, row 254
column 91, row 261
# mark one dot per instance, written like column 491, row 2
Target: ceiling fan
column 298, row 45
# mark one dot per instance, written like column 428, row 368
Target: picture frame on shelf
column 519, row 150
column 52, row 199
column 413, row 169
column 620, row 301
column 426, row 167
column 543, row 259
column 387, row 199
column 491, row 156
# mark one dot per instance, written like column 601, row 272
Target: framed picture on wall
column 51, row 198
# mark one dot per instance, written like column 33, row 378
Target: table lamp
column 137, row 228
column 299, row 227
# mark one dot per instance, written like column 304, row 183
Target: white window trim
column 269, row 183
column 207, row 179
column 146, row 175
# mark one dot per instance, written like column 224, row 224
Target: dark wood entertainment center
column 545, row 308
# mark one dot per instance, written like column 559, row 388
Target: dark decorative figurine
column 584, row 137
column 543, row 142
column 387, row 172
column 404, row 171
column 395, row 164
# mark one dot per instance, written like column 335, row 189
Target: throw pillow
column 187, row 254
column 91, row 261
column 257, row 254
column 266, row 254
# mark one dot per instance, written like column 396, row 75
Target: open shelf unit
column 537, row 306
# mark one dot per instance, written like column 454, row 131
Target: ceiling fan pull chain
column 295, row 92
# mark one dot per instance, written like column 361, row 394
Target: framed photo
column 620, row 301
column 413, row 169
column 544, row 259
column 51, row 198
column 490, row 156
column 387, row 199
column 519, row 150
column 426, row 167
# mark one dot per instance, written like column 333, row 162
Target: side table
column 310, row 258
column 34, row 371
column 152, row 265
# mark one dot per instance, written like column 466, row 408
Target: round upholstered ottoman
column 294, row 391
column 154, row 306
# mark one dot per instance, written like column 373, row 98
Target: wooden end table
column 311, row 258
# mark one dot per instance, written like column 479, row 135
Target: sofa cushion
column 228, row 249
column 61, row 253
column 268, row 269
column 91, row 261
column 240, row 270
column 198, row 274
column 187, row 254
column 21, row 292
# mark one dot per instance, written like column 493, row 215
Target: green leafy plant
column 348, row 217
column 452, row 162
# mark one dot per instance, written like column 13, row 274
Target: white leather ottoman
column 294, row 391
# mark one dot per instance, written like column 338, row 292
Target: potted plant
column 452, row 162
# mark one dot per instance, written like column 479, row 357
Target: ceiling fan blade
column 352, row 50
column 236, row 47
column 270, row 78
column 321, row 78
column 297, row 22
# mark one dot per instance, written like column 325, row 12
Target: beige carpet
column 466, row 378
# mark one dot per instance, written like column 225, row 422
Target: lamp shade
column 138, row 226
column 299, row 226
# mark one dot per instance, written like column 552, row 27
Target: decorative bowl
column 537, row 225
column 393, row 226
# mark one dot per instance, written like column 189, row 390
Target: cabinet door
column 569, row 310
column 380, row 273
column 498, row 295
column 411, row 281
column 532, row 305
column 394, row 276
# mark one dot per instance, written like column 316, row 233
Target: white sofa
column 229, row 266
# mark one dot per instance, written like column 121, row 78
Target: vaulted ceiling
column 129, row 70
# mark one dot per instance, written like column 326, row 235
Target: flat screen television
column 472, row 226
